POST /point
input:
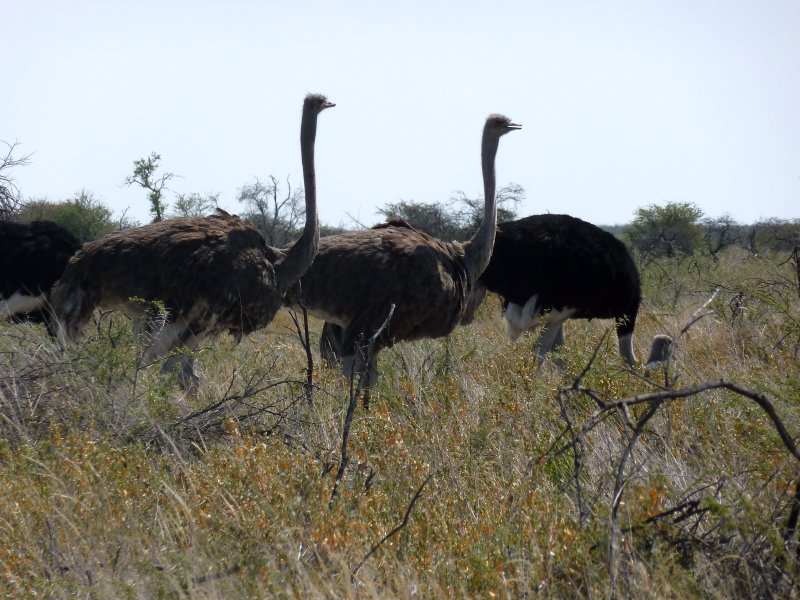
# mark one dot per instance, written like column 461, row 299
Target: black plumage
column 32, row 258
column 565, row 263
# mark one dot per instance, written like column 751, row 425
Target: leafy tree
column 195, row 205
column 84, row 216
column 144, row 175
column 276, row 213
column 10, row 199
column 669, row 230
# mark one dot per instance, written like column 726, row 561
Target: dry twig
column 396, row 529
column 354, row 395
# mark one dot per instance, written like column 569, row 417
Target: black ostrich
column 32, row 258
column 550, row 268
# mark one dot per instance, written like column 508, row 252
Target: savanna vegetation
column 476, row 473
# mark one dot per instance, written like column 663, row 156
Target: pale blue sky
column 623, row 103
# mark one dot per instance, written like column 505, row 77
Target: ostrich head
column 499, row 125
column 660, row 351
column 317, row 103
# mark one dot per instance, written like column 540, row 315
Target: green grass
column 114, row 484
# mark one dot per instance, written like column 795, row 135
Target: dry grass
column 113, row 484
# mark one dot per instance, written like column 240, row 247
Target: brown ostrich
column 32, row 258
column 210, row 274
column 356, row 277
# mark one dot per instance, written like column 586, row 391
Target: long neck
column 478, row 250
column 301, row 254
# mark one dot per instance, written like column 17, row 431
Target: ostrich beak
column 513, row 126
column 328, row 104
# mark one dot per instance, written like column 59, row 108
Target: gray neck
column 478, row 250
column 301, row 254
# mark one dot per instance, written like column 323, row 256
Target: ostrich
column 550, row 268
column 356, row 277
column 661, row 351
column 210, row 274
column 32, row 258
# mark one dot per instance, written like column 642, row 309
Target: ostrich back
column 33, row 256
column 355, row 277
column 215, row 269
column 566, row 262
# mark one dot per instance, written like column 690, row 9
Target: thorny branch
column 654, row 401
column 619, row 485
column 210, row 416
column 396, row 529
column 572, row 438
column 354, row 395
column 577, row 444
column 305, row 340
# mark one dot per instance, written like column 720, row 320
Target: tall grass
column 114, row 484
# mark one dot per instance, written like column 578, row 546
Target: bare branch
column 351, row 408
column 396, row 529
column 10, row 197
column 305, row 340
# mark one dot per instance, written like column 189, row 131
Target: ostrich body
column 550, row 268
column 210, row 274
column 32, row 258
column 356, row 277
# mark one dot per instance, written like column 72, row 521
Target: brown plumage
column 356, row 277
column 211, row 274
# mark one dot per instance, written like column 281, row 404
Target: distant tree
column 10, row 198
column 616, row 230
column 666, row 231
column 508, row 199
column 434, row 218
column 720, row 233
column 457, row 219
column 125, row 222
column 749, row 238
column 779, row 235
column 144, row 175
column 276, row 213
column 771, row 234
column 194, row 205
column 84, row 216
column 326, row 230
